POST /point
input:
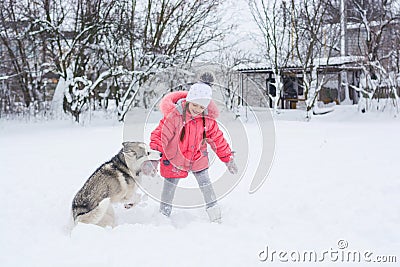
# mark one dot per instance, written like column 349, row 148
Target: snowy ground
column 333, row 178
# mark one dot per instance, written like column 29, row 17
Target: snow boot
column 214, row 213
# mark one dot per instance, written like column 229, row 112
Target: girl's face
column 195, row 109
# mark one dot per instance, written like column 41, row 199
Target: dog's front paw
column 128, row 205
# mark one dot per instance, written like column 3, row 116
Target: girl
column 182, row 137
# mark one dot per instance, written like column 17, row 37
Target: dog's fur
column 113, row 182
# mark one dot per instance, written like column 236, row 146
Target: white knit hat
column 200, row 93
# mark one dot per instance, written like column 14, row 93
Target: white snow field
column 332, row 198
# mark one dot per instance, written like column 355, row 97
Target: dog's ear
column 127, row 144
column 128, row 147
column 124, row 144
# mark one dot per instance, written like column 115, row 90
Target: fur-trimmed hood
column 174, row 101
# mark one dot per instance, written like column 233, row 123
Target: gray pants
column 169, row 191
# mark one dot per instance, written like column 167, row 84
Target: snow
column 339, row 60
column 333, row 178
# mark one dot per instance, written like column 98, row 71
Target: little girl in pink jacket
column 182, row 136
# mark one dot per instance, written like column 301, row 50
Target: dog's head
column 140, row 158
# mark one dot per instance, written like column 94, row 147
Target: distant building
column 259, row 80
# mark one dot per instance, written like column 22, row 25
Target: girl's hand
column 231, row 165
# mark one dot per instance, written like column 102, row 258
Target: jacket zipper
column 191, row 159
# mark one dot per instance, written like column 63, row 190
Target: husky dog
column 113, row 182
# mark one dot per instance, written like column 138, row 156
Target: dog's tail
column 78, row 210
column 94, row 216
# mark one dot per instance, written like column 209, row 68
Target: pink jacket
column 191, row 153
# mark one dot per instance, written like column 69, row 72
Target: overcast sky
column 240, row 14
column 243, row 36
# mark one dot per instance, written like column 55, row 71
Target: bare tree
column 75, row 29
column 377, row 24
column 172, row 33
column 21, row 62
column 310, row 28
column 114, row 45
column 229, row 60
column 274, row 20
